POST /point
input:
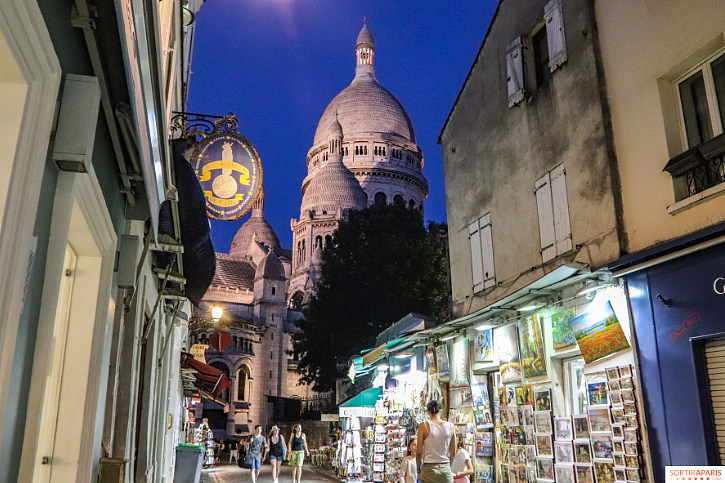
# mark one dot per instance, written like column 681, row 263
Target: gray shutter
column 562, row 227
column 546, row 218
column 515, row 72
column 715, row 362
column 489, row 276
column 555, row 34
column 476, row 261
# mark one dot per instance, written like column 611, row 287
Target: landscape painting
column 599, row 333
column 444, row 368
column 507, row 347
column 483, row 346
column 561, row 332
column 460, row 365
column 533, row 359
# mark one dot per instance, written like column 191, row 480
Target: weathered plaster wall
column 645, row 46
column 494, row 154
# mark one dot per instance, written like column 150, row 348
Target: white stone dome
column 255, row 228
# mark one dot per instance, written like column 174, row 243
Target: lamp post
column 216, row 313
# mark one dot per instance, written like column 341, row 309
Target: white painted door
column 51, row 396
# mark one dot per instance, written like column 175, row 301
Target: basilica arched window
column 303, row 251
column 365, row 149
column 318, row 242
column 398, row 200
column 328, row 240
column 380, row 198
column 411, row 204
column 242, row 378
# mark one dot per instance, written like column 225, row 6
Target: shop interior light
column 485, row 326
column 403, row 355
column 448, row 338
column 529, row 308
column 589, row 287
column 382, row 367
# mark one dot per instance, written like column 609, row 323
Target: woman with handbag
column 277, row 452
column 297, row 448
column 461, row 466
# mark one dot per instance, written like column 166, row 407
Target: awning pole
column 168, row 331
column 156, row 305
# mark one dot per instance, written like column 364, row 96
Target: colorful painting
column 483, row 346
column 561, row 333
column 543, row 399
column 599, row 333
column 507, row 347
column 460, row 365
column 584, row 474
column 461, row 397
column 604, row 472
column 479, row 389
column 430, row 362
column 444, row 368
column 597, row 392
column 533, row 359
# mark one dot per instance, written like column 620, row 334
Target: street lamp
column 216, row 313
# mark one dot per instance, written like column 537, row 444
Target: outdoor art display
column 460, row 367
column 430, row 362
column 533, row 359
column 598, row 333
column 561, row 332
column 444, row 368
column 597, row 392
column 483, row 346
column 507, row 347
column 461, row 397
column 542, row 399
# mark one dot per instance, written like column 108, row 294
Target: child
column 408, row 470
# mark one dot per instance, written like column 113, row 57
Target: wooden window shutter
column 715, row 362
column 546, row 218
column 476, row 261
column 562, row 227
column 555, row 34
column 489, row 275
column 515, row 72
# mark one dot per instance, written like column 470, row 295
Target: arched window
column 365, row 148
column 380, row 198
column 375, row 150
column 411, row 204
column 398, row 200
column 328, row 240
column 318, row 242
column 357, row 148
column 303, row 251
column 383, row 151
column 242, row 379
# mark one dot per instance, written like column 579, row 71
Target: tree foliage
column 382, row 265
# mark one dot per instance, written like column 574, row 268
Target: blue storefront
column 677, row 298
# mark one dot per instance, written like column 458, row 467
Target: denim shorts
column 278, row 458
column 256, row 462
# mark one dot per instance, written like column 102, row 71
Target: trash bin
column 188, row 463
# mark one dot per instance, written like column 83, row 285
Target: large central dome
column 365, row 106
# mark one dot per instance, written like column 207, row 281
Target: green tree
column 382, row 264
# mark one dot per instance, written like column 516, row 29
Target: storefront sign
column 198, row 350
column 719, row 286
column 230, row 173
column 357, row 412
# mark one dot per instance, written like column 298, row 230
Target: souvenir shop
column 546, row 394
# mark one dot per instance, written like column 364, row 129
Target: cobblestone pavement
column 233, row 474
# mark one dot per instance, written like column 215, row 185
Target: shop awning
column 205, row 380
column 362, row 405
column 373, row 355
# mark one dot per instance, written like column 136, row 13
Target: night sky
column 277, row 64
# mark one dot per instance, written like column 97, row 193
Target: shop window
column 575, row 386
column 553, row 208
column 482, row 265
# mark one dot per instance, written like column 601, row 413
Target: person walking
column 297, row 448
column 233, row 451
column 436, row 447
column 462, row 468
column 277, row 451
column 257, row 449
column 408, row 468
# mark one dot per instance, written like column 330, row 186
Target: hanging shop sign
column 198, row 351
column 357, row 412
column 230, row 173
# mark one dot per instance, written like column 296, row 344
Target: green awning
column 365, row 399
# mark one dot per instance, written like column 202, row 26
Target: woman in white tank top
column 436, row 447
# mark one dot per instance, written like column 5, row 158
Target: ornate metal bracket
column 195, row 127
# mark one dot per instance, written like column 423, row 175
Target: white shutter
column 555, row 34
column 489, row 276
column 715, row 362
column 476, row 261
column 546, row 218
column 562, row 227
column 515, row 72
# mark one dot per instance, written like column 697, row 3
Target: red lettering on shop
column 691, row 320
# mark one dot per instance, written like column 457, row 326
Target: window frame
column 716, row 120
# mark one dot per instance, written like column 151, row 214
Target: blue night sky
column 277, row 64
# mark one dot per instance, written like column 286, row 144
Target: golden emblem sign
column 230, row 173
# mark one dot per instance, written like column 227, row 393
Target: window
column 482, row 253
column 541, row 57
column 702, row 101
column 242, row 379
column 274, row 289
column 411, row 204
column 515, row 72
column 552, row 204
column 380, row 198
column 398, row 200
column 575, row 386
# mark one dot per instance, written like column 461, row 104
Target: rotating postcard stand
column 351, row 451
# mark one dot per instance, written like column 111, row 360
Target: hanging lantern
column 220, row 340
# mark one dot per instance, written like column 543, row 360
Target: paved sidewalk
column 233, row 474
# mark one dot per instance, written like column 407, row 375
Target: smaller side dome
column 270, row 267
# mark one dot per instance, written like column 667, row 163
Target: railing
column 705, row 175
column 699, row 168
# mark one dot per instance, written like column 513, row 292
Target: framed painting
column 561, row 332
column 599, row 333
column 507, row 347
column 531, row 341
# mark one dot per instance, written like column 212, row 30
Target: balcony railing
column 698, row 168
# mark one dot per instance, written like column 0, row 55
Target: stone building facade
column 366, row 131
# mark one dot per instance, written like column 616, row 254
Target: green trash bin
column 188, row 463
